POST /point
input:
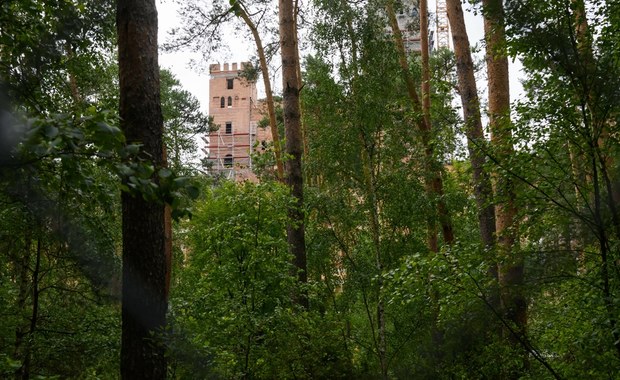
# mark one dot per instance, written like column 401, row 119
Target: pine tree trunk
column 304, row 135
column 271, row 110
column 144, row 244
column 473, row 124
column 432, row 239
column 294, row 145
column 510, row 266
column 434, row 181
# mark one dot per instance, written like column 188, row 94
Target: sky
column 198, row 83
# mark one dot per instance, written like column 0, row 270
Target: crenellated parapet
column 227, row 68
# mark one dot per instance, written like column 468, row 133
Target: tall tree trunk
column 304, row 135
column 294, row 144
column 513, row 301
column 433, row 170
column 271, row 110
column 144, row 244
column 473, row 123
column 434, row 181
column 168, row 226
column 600, row 124
column 598, row 130
column 432, row 240
column 437, row 334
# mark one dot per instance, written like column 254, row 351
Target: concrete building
column 236, row 110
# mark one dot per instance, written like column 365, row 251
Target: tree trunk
column 144, row 260
column 513, row 301
column 273, row 125
column 434, row 182
column 432, row 240
column 473, row 123
column 294, row 145
column 304, row 135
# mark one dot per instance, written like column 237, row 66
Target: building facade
column 235, row 109
column 408, row 17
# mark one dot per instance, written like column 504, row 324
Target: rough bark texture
column 473, row 123
column 294, row 144
column 144, row 259
column 510, row 265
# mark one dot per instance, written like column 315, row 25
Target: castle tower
column 233, row 108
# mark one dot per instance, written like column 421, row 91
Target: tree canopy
column 407, row 229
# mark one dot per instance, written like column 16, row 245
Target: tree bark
column 434, row 182
column 144, row 260
column 273, row 125
column 304, row 135
column 294, row 145
column 432, row 239
column 510, row 268
column 473, row 123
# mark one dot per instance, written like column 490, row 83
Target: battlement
column 233, row 67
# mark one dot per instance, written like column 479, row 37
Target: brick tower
column 234, row 107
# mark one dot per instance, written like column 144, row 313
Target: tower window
column 222, row 102
column 228, row 128
column 229, row 101
column 229, row 83
column 228, row 161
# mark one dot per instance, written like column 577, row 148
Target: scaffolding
column 443, row 26
column 231, row 152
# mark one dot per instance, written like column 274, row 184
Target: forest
column 410, row 220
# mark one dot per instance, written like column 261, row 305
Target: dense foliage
column 383, row 302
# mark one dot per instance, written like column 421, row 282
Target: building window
column 222, row 102
column 229, row 101
column 228, row 128
column 228, row 161
column 229, row 83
